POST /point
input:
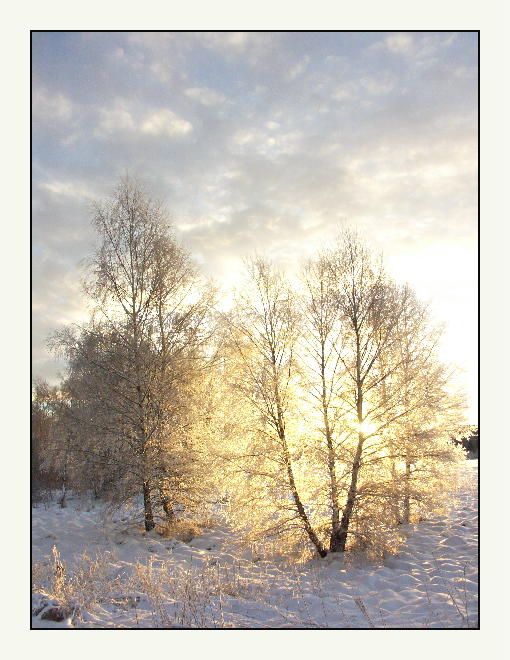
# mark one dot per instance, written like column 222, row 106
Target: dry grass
column 184, row 529
column 163, row 594
column 176, row 597
column 71, row 594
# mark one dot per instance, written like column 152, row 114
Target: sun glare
column 366, row 427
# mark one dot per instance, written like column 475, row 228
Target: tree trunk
column 64, row 475
column 166, row 503
column 333, row 485
column 338, row 540
column 335, row 510
column 147, row 506
column 396, row 498
column 301, row 510
column 62, row 500
column 290, row 473
column 407, row 495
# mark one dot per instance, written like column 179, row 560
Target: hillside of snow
column 109, row 574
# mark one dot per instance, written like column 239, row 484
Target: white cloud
column 254, row 47
column 166, row 122
column 246, row 137
column 266, row 144
column 114, row 120
column 422, row 47
column 68, row 188
column 236, row 38
column 205, row 95
column 383, row 137
column 399, row 42
column 378, row 86
column 162, row 70
column 122, row 118
column 344, row 93
column 46, row 105
column 225, row 40
column 299, row 68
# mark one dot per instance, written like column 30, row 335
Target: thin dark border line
column 31, row 328
column 411, row 31
column 35, row 31
column 479, row 338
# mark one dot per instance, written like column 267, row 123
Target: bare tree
column 325, row 409
column 386, row 353
column 369, row 311
column 264, row 330
column 425, row 407
column 146, row 338
column 349, row 402
column 321, row 345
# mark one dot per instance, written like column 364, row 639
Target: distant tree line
column 468, row 438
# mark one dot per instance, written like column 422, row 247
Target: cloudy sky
column 268, row 142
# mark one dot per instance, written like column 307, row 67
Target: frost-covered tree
column 369, row 307
column 322, row 373
column 348, row 404
column 372, row 368
column 133, row 366
column 320, row 413
column 264, row 329
column 424, row 406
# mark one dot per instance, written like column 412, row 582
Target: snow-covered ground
column 131, row 579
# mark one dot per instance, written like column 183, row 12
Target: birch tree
column 349, row 403
column 146, row 338
column 370, row 353
column 264, row 331
column 427, row 407
column 321, row 353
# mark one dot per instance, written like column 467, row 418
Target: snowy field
column 132, row 579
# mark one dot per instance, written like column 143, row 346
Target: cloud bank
column 268, row 141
